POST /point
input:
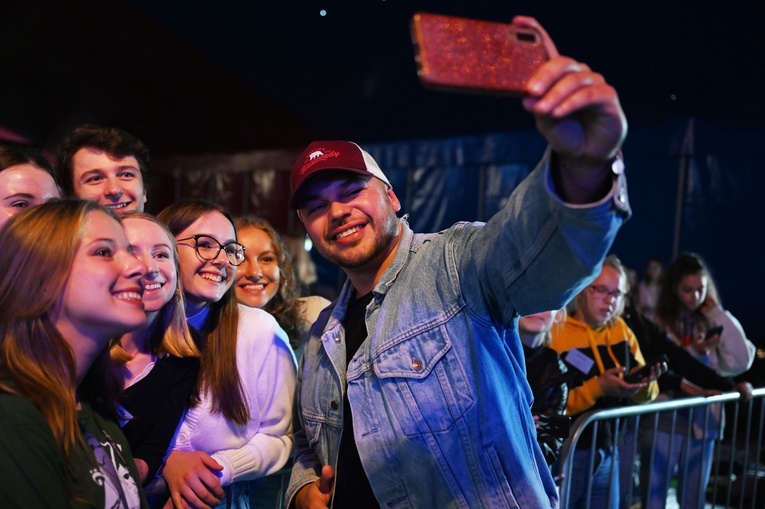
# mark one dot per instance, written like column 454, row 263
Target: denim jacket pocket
column 312, row 429
column 321, row 405
column 423, row 376
column 503, row 481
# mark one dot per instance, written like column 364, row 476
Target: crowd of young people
column 136, row 371
column 153, row 361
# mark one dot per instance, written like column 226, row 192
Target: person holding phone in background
column 412, row 384
column 690, row 313
column 599, row 351
column 686, row 377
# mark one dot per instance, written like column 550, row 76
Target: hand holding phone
column 642, row 372
column 576, row 110
column 710, row 341
column 714, row 331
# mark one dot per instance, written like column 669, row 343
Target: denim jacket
column 438, row 390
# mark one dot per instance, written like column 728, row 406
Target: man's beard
column 380, row 244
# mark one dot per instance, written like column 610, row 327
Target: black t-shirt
column 153, row 407
column 352, row 488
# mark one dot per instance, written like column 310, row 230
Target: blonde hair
column 557, row 326
column 39, row 246
column 169, row 333
column 615, row 263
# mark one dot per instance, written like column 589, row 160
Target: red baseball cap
column 322, row 156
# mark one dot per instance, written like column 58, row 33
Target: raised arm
column 735, row 352
column 580, row 116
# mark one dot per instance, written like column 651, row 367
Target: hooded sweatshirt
column 588, row 352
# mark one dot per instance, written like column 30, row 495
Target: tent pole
column 686, row 158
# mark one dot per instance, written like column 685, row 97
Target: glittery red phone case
column 470, row 55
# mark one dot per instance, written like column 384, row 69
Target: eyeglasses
column 208, row 248
column 601, row 291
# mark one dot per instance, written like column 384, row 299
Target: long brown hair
column 284, row 306
column 38, row 248
column 668, row 307
column 218, row 370
column 169, row 334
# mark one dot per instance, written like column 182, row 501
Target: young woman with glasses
column 68, row 283
column 158, row 363
column 598, row 349
column 239, row 428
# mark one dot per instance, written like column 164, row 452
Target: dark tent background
column 441, row 181
column 227, row 93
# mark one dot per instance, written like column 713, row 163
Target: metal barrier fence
column 724, row 434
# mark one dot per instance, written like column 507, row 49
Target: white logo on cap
column 314, row 155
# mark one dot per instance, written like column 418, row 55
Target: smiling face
column 101, row 298
column 205, row 281
column 113, row 183
column 154, row 248
column 23, row 186
column 599, row 302
column 692, row 291
column 351, row 220
column 258, row 278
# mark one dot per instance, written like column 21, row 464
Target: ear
column 393, row 199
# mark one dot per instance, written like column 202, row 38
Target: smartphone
column 713, row 332
column 641, row 372
column 469, row 55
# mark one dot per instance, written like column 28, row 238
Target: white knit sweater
column 267, row 370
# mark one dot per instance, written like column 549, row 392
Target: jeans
column 629, row 489
column 690, row 459
column 237, row 496
column 268, row 492
column 604, row 479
